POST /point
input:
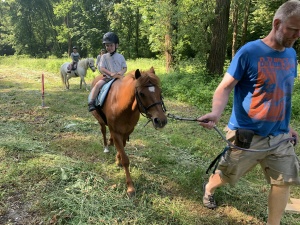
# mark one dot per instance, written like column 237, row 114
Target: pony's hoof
column 106, row 150
column 131, row 194
column 118, row 163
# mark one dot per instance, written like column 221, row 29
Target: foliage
column 32, row 22
column 41, row 28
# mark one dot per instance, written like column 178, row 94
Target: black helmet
column 74, row 47
column 110, row 37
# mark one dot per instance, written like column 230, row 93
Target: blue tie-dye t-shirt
column 262, row 97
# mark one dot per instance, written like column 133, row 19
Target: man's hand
column 209, row 120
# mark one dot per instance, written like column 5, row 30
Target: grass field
column 53, row 169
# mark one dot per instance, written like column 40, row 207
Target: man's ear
column 276, row 23
column 117, row 45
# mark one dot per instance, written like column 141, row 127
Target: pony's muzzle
column 159, row 123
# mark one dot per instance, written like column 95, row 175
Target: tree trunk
column 168, row 52
column 245, row 22
column 137, row 29
column 235, row 16
column 216, row 58
column 170, row 39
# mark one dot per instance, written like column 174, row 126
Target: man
column 262, row 75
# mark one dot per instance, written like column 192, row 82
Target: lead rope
column 229, row 144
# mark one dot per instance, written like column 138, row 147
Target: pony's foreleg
column 123, row 158
column 82, row 80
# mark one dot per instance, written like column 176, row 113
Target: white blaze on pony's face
column 151, row 89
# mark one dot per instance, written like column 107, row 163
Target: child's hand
column 118, row 76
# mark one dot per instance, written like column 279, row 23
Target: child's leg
column 94, row 92
column 70, row 67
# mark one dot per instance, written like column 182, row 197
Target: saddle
column 72, row 66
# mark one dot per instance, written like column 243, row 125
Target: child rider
column 112, row 64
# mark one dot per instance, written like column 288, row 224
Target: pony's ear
column 152, row 70
column 137, row 74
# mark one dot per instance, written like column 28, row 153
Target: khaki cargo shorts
column 279, row 165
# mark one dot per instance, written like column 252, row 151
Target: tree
column 6, row 31
column 83, row 23
column 216, row 58
column 245, row 21
column 126, row 20
column 32, row 22
column 235, row 16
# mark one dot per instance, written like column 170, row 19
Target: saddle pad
column 103, row 93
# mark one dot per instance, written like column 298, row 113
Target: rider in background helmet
column 75, row 58
column 112, row 65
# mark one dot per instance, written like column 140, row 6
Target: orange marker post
column 43, row 91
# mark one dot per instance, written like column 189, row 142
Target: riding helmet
column 74, row 47
column 110, row 37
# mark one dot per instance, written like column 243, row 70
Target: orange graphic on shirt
column 267, row 102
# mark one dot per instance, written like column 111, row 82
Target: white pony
column 82, row 67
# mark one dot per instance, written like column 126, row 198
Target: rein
column 231, row 145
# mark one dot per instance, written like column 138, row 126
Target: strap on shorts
column 216, row 161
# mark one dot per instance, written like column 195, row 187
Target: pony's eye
column 142, row 94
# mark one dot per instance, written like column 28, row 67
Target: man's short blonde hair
column 287, row 10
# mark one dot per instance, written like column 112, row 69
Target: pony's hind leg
column 67, row 82
column 103, row 130
column 111, row 141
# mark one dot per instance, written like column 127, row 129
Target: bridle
column 144, row 109
column 91, row 65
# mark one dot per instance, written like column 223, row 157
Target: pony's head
column 88, row 63
column 149, row 97
column 91, row 64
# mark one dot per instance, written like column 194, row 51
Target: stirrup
column 92, row 106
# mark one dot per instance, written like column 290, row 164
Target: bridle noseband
column 90, row 65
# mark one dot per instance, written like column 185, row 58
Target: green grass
column 53, row 169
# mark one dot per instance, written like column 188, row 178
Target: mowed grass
column 53, row 169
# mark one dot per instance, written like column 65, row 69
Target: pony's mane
column 146, row 78
column 82, row 61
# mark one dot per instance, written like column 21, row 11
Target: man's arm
column 219, row 102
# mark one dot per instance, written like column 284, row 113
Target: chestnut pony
column 137, row 92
